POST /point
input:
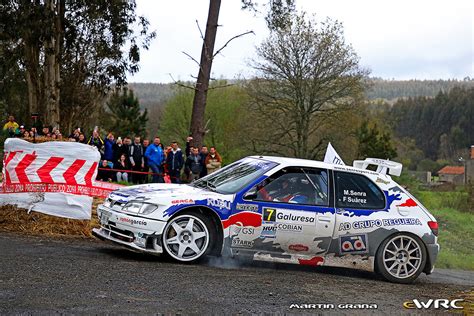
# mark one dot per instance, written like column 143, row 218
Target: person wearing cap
column 22, row 131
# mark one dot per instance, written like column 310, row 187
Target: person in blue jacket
column 109, row 149
column 156, row 157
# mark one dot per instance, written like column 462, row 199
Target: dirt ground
column 44, row 275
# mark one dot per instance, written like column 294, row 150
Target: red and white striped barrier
column 57, row 178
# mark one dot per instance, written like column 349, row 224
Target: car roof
column 298, row 162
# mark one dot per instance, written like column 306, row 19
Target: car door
column 296, row 211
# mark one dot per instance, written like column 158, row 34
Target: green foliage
column 97, row 43
column 440, row 126
column 456, row 236
column 125, row 115
column 394, row 89
column 374, row 143
column 307, row 74
column 225, row 115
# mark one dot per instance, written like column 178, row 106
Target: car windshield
column 235, row 176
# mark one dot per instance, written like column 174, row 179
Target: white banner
column 55, row 178
column 332, row 156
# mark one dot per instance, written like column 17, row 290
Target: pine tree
column 373, row 143
column 126, row 117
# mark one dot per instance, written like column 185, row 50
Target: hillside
column 156, row 94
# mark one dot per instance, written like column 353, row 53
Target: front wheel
column 401, row 258
column 188, row 237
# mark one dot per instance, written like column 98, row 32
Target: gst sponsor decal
column 353, row 244
column 351, row 196
column 239, row 243
column 288, row 216
column 246, row 207
column 298, row 247
column 244, row 230
column 218, row 203
column 379, row 223
column 132, row 221
column 183, row 201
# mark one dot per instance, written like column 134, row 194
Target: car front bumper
column 134, row 232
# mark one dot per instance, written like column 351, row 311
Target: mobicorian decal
column 353, row 244
column 378, row 223
column 247, row 207
column 288, row 216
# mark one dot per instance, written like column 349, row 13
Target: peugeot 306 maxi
column 281, row 210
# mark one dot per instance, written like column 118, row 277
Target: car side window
column 293, row 185
column 357, row 191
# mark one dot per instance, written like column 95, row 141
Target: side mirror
column 250, row 195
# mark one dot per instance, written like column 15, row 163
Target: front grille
column 124, row 235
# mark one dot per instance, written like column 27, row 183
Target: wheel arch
column 216, row 220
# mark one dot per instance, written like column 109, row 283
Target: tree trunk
column 51, row 70
column 202, row 84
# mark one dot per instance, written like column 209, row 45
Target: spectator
column 213, row 161
column 82, row 138
column 146, row 168
column 156, row 157
column 26, row 134
column 204, row 152
column 96, row 141
column 22, row 131
column 119, row 149
column 127, row 142
column 193, row 163
column 34, row 131
column 109, row 148
column 75, row 134
column 11, row 127
column 122, row 165
column 174, row 161
column 137, row 160
column 45, row 131
column 187, row 152
column 104, row 173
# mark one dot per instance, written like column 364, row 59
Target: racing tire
column 188, row 237
column 401, row 258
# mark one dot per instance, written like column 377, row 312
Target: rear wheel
column 188, row 237
column 401, row 258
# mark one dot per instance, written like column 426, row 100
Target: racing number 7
column 269, row 214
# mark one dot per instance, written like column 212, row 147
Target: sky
column 401, row 40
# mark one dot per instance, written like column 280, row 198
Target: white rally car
column 281, row 210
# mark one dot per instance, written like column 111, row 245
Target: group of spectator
column 124, row 160
column 138, row 161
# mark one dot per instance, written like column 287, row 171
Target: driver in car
column 287, row 192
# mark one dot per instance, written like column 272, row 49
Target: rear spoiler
column 393, row 168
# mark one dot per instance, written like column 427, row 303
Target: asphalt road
column 45, row 276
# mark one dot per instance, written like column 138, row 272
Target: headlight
column 140, row 207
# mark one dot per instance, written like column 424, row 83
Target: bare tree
column 306, row 75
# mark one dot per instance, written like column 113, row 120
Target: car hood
column 161, row 193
